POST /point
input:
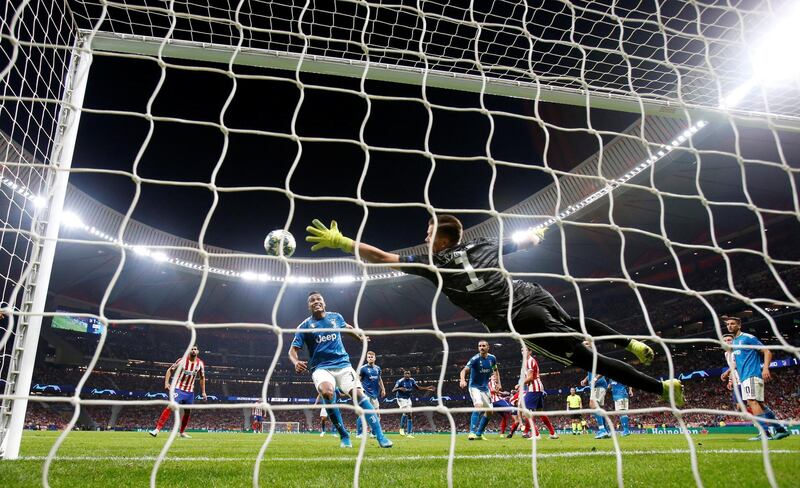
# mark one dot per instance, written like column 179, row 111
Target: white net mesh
column 679, row 211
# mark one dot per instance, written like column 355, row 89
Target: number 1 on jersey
column 475, row 282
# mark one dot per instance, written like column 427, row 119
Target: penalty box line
column 567, row 454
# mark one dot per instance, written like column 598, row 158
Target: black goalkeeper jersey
column 480, row 292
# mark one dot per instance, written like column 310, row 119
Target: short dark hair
column 315, row 293
column 371, row 352
column 735, row 319
column 725, row 336
column 448, row 226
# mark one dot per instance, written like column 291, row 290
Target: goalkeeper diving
column 470, row 281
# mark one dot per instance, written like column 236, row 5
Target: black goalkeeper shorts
column 542, row 314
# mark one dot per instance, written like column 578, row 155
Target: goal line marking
column 567, row 454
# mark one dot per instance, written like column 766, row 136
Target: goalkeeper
column 471, row 280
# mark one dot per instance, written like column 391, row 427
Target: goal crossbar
column 328, row 65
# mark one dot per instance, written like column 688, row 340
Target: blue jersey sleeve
column 298, row 340
column 414, row 384
column 471, row 362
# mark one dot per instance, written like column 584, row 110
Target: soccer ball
column 280, row 238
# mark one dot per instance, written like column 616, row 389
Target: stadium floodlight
column 735, row 97
column 521, row 235
column 70, row 219
column 344, row 279
column 159, row 256
column 775, row 56
column 39, row 201
column 141, row 251
column 249, row 276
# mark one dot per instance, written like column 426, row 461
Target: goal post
column 27, row 324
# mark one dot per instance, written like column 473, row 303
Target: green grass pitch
column 121, row 459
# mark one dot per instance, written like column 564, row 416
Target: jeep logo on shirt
column 325, row 338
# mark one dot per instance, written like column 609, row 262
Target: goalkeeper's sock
column 473, row 422
column 409, row 425
column 624, row 421
column 583, row 357
column 335, row 416
column 482, row 424
column 372, row 419
column 163, row 418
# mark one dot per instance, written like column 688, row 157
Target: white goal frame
column 37, row 274
column 327, row 65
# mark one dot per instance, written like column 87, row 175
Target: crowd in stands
column 783, row 394
column 134, row 358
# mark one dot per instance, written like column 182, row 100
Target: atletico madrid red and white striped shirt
column 493, row 390
column 258, row 412
column 187, row 371
column 532, row 369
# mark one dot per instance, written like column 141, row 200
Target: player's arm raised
column 331, row 237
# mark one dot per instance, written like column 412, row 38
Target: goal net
column 149, row 146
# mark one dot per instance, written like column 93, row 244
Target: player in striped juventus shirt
column 187, row 369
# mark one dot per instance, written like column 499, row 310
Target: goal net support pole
column 46, row 228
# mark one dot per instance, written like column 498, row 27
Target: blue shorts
column 534, row 400
column 504, row 404
column 184, row 397
column 258, row 418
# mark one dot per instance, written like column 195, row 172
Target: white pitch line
column 567, row 454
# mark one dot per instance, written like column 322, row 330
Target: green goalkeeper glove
column 540, row 233
column 325, row 237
